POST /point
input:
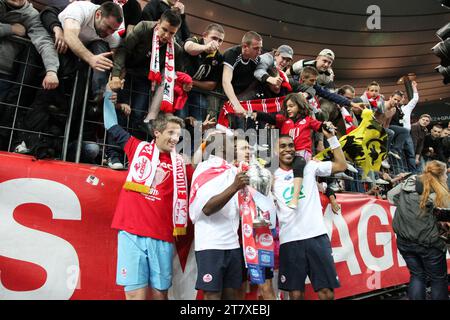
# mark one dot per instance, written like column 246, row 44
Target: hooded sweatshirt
column 29, row 18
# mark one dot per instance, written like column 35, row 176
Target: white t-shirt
column 219, row 230
column 84, row 13
column 307, row 221
column 407, row 110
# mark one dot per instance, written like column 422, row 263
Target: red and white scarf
column 169, row 72
column 285, row 83
column 348, row 120
column 142, row 172
column 375, row 103
column 256, row 242
column 214, row 168
column 180, row 96
column 209, row 173
column 271, row 105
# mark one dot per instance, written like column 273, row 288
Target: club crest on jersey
column 142, row 169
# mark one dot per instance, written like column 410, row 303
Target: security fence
column 70, row 127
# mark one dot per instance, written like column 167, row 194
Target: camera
column 442, row 51
column 445, row 3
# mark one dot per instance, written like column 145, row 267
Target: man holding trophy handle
column 214, row 211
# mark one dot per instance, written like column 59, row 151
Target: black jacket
column 153, row 11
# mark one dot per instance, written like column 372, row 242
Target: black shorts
column 310, row 257
column 219, row 269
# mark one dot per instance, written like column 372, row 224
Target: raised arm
column 409, row 107
column 227, row 77
column 339, row 163
column 98, row 62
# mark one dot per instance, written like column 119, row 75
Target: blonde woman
column 418, row 230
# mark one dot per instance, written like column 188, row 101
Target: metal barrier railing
column 81, row 83
column 18, row 85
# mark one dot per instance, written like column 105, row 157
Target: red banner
column 56, row 241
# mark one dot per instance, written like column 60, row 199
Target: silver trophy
column 261, row 181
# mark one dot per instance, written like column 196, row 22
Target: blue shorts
column 310, row 257
column 143, row 262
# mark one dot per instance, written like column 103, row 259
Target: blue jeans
column 398, row 140
column 137, row 94
column 5, row 85
column 196, row 106
column 6, row 112
column 408, row 149
column 424, row 262
column 99, row 78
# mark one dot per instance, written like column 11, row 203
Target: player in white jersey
column 305, row 249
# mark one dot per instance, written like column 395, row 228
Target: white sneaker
column 367, row 179
column 115, row 164
column 335, row 186
column 381, row 181
column 385, row 164
column 22, row 148
column 395, row 155
column 342, row 175
column 351, row 168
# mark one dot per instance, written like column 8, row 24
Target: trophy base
column 261, row 223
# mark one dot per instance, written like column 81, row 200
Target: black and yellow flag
column 365, row 146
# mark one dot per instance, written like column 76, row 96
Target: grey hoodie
column 29, row 18
column 410, row 222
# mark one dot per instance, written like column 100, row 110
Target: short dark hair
column 285, row 136
column 215, row 27
column 373, row 83
column 437, row 125
column 250, row 36
column 309, row 71
column 160, row 123
column 172, row 16
column 398, row 93
column 341, row 90
column 111, row 9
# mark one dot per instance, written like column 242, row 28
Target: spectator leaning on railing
column 203, row 62
column 239, row 65
column 18, row 17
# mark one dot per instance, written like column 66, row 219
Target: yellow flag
column 365, row 146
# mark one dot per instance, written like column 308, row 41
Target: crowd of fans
column 116, row 39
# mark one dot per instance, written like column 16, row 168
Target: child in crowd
column 297, row 122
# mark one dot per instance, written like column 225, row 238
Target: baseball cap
column 285, row 51
column 327, row 53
